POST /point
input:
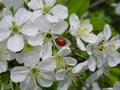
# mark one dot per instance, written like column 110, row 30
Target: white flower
column 104, row 50
column 82, row 30
column 47, row 31
column 54, row 12
column 64, row 66
column 41, row 73
column 13, row 29
column 63, row 61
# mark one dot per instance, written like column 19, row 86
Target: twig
column 84, row 84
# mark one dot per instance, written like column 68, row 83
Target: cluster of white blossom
column 31, row 36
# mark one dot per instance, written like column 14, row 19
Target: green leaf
column 62, row 2
column 83, row 8
column 78, row 6
column 98, row 24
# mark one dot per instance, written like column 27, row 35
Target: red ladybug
column 60, row 41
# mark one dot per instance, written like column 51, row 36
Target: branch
column 96, row 3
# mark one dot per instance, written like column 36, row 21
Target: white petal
column 47, row 50
column 74, row 24
column 6, row 22
column 115, row 41
column 47, row 65
column 22, row 16
column 41, row 50
column 52, row 18
column 74, row 20
column 44, row 82
column 8, row 55
column 60, row 75
column 90, row 38
column 101, row 60
column 18, row 74
column 80, row 44
column 19, row 57
column 35, row 4
column 15, row 43
column 115, row 38
column 60, row 27
column 49, row 75
column 94, row 76
column 99, row 38
column 4, row 34
column 70, row 61
column 3, row 66
column 107, row 32
column 31, row 59
column 37, row 88
column 60, row 11
column 35, row 14
column 50, row 2
column 29, row 29
column 79, row 67
column 64, row 51
column 13, row 3
column 86, row 24
column 42, row 24
column 89, row 49
column 113, row 59
column 117, row 44
column 6, row 12
column 107, row 88
column 64, row 84
column 92, row 63
column 36, row 40
column 28, row 84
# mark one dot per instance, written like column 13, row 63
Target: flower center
column 46, row 9
column 100, row 49
column 48, row 36
column 35, row 72
column 83, row 32
column 15, row 29
column 60, row 63
column 27, row 48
